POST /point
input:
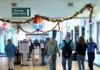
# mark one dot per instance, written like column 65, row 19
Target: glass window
column 98, row 36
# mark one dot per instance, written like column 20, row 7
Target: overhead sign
column 37, row 26
column 21, row 12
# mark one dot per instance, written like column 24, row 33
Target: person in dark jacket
column 80, row 50
column 42, row 52
column 91, row 52
column 36, row 52
column 36, row 44
column 10, row 51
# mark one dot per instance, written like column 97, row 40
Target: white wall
column 97, row 56
column 94, row 35
column 72, row 23
column 97, row 18
column 97, row 8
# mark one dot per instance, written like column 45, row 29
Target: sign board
column 21, row 12
column 23, row 47
column 37, row 26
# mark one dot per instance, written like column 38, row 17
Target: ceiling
column 15, row 1
column 44, row 7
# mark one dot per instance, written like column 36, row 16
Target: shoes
column 33, row 64
column 43, row 64
column 8, row 68
column 28, row 60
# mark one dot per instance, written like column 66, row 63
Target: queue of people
column 50, row 48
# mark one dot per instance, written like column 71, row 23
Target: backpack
column 51, row 48
column 67, row 51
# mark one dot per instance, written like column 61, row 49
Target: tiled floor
column 3, row 65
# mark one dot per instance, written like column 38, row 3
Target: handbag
column 48, row 59
column 36, row 56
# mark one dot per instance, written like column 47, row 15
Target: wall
column 97, row 18
column 94, row 35
column 2, row 44
column 97, row 8
column 72, row 23
column 97, row 56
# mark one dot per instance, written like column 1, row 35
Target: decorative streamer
column 39, row 18
column 4, row 26
column 37, row 30
column 17, row 29
column 59, row 25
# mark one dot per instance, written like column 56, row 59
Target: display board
column 23, row 47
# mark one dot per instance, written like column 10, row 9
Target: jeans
column 91, row 57
column 43, row 62
column 69, row 63
column 53, row 64
column 80, row 60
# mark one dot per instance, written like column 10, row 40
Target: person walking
column 91, row 52
column 80, row 51
column 67, row 47
column 42, row 52
column 53, row 50
column 10, row 52
column 36, row 53
column 46, row 45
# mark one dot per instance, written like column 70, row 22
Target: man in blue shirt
column 91, row 52
column 10, row 51
column 64, row 58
